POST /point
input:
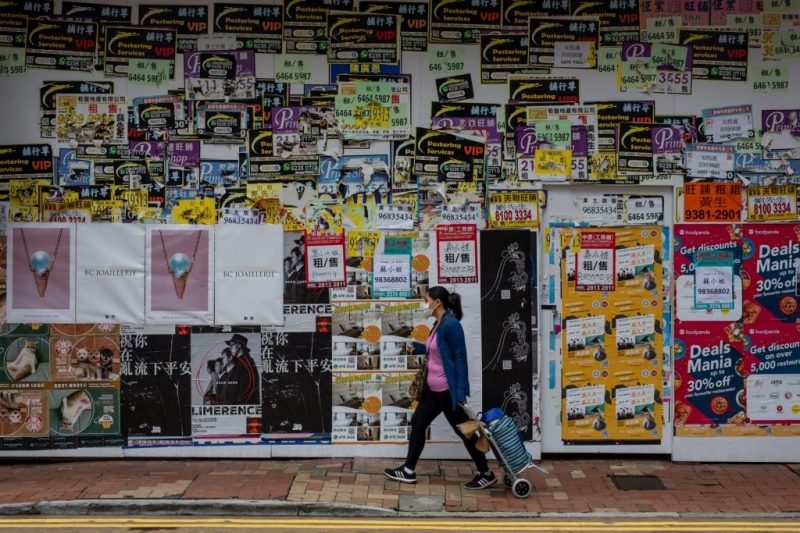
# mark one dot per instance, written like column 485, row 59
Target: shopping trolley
column 506, row 443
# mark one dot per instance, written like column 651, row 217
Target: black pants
column 431, row 405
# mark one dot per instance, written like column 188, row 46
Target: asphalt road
column 115, row 524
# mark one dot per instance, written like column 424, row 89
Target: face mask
column 429, row 311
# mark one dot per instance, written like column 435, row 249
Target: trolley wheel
column 522, row 488
column 507, row 481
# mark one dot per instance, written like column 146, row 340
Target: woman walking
column 447, row 388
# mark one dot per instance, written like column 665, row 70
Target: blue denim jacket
column 453, row 349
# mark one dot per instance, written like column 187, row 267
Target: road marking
column 402, row 524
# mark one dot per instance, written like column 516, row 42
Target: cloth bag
column 419, row 384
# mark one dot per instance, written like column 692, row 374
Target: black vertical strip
column 156, row 383
column 507, row 342
column 296, row 382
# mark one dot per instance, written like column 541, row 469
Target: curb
column 269, row 508
column 192, row 508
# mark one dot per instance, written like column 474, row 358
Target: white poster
column 109, row 269
column 41, row 265
column 248, row 275
column 179, row 282
column 771, row 398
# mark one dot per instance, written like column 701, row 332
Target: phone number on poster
column 708, row 214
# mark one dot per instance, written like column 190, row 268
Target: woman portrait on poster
column 447, row 388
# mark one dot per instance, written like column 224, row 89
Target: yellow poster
column 612, row 342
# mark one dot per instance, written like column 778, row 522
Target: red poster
column 594, row 263
column 325, row 260
column 458, row 248
column 770, row 272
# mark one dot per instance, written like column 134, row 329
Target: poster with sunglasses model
column 41, row 281
column 179, row 267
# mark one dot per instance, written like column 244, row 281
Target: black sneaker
column 400, row 474
column 481, row 481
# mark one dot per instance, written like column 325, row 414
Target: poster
column 402, row 324
column 304, row 25
column 73, row 124
column 248, row 280
column 85, row 412
column 357, row 400
column 41, row 273
column 179, row 266
column 458, row 251
column 509, row 362
column 123, row 43
column 256, row 27
column 190, row 21
column 709, row 374
column 111, row 285
column 691, row 239
column 325, row 261
column 156, row 381
column 226, row 389
column 61, row 44
column 296, row 384
column 637, row 414
column 595, row 261
column 25, row 413
column 770, row 273
column 398, row 408
column 413, row 22
column 26, row 161
column 585, row 415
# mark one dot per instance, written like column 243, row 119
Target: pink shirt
column 437, row 381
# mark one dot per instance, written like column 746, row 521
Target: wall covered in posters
column 385, row 170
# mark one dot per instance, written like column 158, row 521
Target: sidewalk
column 344, row 487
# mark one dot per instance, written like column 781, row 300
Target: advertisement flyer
column 413, row 22
column 458, row 249
column 93, row 360
column 772, row 348
column 363, row 38
column 402, row 325
column 156, row 382
column 395, row 419
column 118, row 277
column 595, row 261
column 584, row 413
column 709, row 374
column 256, row 27
column 638, row 415
column 226, row 389
column 26, row 413
column 770, row 273
column 304, row 25
column 545, row 32
column 296, row 384
column 691, row 239
column 85, row 412
column 719, row 54
column 462, row 22
column 125, row 43
column 357, row 401
column 325, row 261
column 61, row 44
column 190, row 21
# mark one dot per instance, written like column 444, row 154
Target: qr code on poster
column 505, row 294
